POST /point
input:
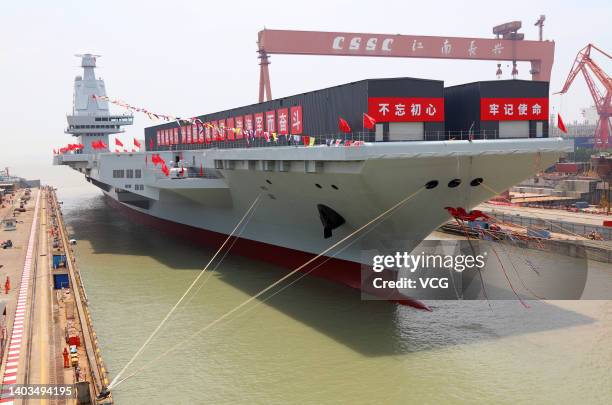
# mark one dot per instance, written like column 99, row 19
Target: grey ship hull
column 359, row 183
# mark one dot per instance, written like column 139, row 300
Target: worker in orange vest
column 7, row 285
column 66, row 358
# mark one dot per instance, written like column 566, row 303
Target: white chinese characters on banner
column 512, row 109
column 406, row 109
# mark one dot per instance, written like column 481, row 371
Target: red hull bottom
column 330, row 268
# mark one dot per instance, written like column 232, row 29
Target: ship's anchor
column 330, row 220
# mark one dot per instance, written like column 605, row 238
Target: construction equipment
column 583, row 63
column 540, row 25
column 509, row 46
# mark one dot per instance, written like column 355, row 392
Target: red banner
column 514, row 109
column 215, row 131
column 239, row 126
column 248, row 122
column 187, row 131
column 208, row 132
column 221, row 131
column 406, row 109
column 259, row 124
column 283, row 121
column 271, row 121
column 296, row 120
column 194, row 132
column 230, row 129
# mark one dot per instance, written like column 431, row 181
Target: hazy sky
column 193, row 57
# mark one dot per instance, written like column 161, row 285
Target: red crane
column 509, row 46
column 583, row 62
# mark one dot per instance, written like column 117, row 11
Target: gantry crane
column 509, row 46
column 583, row 62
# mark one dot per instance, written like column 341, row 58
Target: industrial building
column 404, row 108
column 498, row 109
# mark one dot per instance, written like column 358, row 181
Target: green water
column 317, row 342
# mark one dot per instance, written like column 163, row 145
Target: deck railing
column 332, row 139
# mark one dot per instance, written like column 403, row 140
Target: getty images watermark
column 477, row 269
column 415, row 262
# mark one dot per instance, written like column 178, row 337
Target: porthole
column 318, row 185
column 272, row 197
column 454, row 183
column 476, row 182
column 264, row 188
column 268, row 181
column 431, row 184
column 334, row 187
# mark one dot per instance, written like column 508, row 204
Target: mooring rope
column 117, row 381
column 163, row 321
column 238, row 234
column 305, row 273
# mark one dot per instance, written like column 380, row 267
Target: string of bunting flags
column 195, row 131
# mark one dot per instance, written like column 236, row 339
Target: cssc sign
column 357, row 43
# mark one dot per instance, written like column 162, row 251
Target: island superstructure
column 442, row 147
column 91, row 120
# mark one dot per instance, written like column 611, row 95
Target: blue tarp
column 60, row 281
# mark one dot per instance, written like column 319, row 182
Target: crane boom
column 583, row 63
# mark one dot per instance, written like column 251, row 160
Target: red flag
column 201, row 170
column 136, row 143
column 368, row 122
column 560, row 124
column 164, row 168
column 118, row 142
column 343, row 125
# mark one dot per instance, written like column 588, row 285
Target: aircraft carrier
column 431, row 146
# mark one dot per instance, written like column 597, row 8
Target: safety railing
column 343, row 139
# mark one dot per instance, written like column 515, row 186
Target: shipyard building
column 404, row 109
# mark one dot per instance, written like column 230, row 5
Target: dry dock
column 50, row 351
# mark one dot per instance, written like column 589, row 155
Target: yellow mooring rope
column 116, row 381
